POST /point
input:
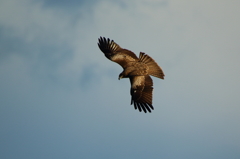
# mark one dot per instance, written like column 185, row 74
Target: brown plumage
column 138, row 70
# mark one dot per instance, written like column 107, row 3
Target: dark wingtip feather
column 146, row 107
column 107, row 46
column 135, row 106
column 143, row 107
column 139, row 106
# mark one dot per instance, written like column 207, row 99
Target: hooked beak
column 120, row 77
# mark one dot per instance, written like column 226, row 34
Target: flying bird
column 138, row 70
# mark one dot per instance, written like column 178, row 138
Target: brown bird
column 136, row 69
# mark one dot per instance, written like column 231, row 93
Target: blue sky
column 61, row 98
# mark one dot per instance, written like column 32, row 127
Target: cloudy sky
column 61, row 98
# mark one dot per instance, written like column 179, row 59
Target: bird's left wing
column 141, row 91
column 115, row 53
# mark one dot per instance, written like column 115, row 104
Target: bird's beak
column 120, row 77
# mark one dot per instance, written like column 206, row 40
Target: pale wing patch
column 119, row 56
column 138, row 81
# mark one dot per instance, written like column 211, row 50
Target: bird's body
column 138, row 70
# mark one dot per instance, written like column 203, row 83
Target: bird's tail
column 154, row 69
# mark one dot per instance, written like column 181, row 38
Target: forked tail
column 154, row 69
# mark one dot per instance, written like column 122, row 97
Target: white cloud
column 34, row 23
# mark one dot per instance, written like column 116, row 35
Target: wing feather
column 115, row 53
column 154, row 68
column 141, row 91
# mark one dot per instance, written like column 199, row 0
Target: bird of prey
column 138, row 70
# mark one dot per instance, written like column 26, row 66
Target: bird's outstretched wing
column 115, row 53
column 154, row 68
column 141, row 91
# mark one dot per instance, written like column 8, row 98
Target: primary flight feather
column 138, row 70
